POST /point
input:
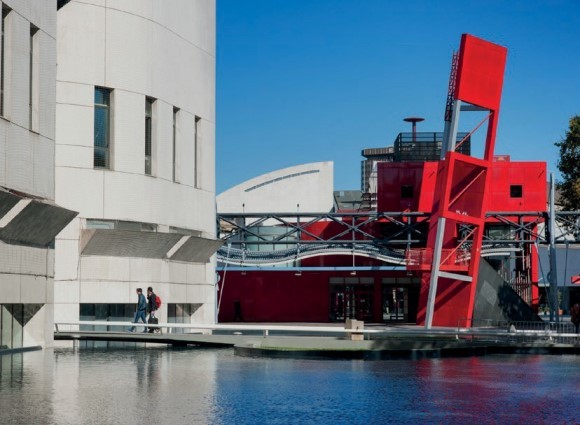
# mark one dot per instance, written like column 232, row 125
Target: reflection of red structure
column 438, row 286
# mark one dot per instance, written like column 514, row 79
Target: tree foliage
column 569, row 166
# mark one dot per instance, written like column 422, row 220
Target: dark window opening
column 516, row 191
column 407, row 192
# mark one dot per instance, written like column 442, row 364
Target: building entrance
column 351, row 298
column 400, row 297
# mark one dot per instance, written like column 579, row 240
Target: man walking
column 141, row 309
column 152, row 307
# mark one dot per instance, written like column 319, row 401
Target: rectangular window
column 407, row 191
column 196, row 161
column 175, row 112
column 4, row 46
column 516, row 191
column 102, row 127
column 33, row 81
column 148, row 133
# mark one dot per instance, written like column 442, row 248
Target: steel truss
column 363, row 234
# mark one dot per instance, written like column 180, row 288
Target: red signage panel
column 480, row 72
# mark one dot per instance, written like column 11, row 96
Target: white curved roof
column 308, row 185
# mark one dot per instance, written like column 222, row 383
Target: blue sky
column 300, row 81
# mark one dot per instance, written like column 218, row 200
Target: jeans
column 138, row 315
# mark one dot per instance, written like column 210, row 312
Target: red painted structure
column 460, row 189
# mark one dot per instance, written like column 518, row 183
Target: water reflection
column 152, row 386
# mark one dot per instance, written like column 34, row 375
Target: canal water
column 211, row 386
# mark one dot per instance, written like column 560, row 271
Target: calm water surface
column 202, row 386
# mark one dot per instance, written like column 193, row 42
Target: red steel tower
column 458, row 216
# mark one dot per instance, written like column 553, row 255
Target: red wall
column 268, row 296
column 393, row 175
column 530, row 175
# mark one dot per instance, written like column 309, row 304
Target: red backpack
column 158, row 301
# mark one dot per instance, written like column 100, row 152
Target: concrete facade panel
column 16, row 63
column 196, row 25
column 81, row 43
column 146, row 270
column 129, row 132
column 75, row 127
column 35, row 261
column 19, row 159
column 34, row 289
column 46, row 78
column 87, row 199
column 70, row 155
column 103, row 292
column 140, row 8
column 43, row 163
column 11, row 255
column 22, row 7
column 128, row 38
column 43, row 16
column 185, row 152
column 3, row 126
column 206, row 142
column 67, row 292
column 10, row 288
column 163, row 141
column 67, row 262
column 94, row 268
column 64, row 311
column 76, row 94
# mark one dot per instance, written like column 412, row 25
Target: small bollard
column 355, row 328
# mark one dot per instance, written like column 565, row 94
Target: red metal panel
column 480, row 72
column 391, row 178
column 266, row 296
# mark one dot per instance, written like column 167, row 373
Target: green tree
column 569, row 166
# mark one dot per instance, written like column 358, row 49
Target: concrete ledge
column 7, row 351
column 395, row 353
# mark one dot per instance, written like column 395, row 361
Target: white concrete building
column 135, row 125
column 29, row 219
column 301, row 188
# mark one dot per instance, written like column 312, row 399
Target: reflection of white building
column 135, row 156
column 302, row 188
column 29, row 218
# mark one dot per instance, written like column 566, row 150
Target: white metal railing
column 525, row 331
column 72, row 326
column 520, row 332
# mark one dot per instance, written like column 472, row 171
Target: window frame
column 106, row 148
column 149, row 114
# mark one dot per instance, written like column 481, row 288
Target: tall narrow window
column 148, row 133
column 175, row 112
column 5, row 12
column 102, row 127
column 33, row 81
column 196, row 153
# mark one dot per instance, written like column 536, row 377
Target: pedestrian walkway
column 336, row 341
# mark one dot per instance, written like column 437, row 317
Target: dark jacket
column 152, row 302
column 575, row 314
